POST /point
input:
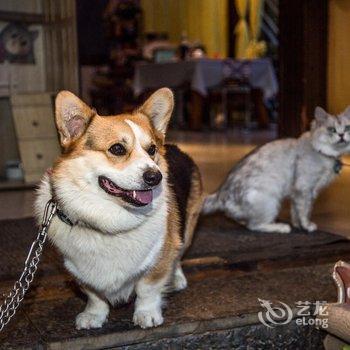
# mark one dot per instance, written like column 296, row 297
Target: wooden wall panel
column 338, row 55
column 61, row 45
column 303, row 62
column 8, row 142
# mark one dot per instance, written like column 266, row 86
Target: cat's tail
column 211, row 204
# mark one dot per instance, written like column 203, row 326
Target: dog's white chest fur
column 109, row 263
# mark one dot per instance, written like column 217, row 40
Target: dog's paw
column 148, row 318
column 87, row 320
column 180, row 281
column 310, row 227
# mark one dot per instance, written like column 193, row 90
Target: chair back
column 236, row 71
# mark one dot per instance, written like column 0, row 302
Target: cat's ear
column 72, row 117
column 347, row 112
column 320, row 115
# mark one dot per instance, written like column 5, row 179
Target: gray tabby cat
column 291, row 168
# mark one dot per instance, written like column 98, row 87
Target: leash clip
column 50, row 210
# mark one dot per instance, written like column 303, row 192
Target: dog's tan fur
column 86, row 139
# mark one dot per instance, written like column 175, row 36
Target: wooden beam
column 232, row 21
column 303, row 62
column 23, row 17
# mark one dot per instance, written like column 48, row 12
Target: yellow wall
column 339, row 55
column 203, row 20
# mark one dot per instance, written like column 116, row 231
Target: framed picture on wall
column 17, row 43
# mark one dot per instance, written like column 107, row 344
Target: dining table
column 203, row 74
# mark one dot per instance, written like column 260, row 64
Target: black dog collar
column 63, row 217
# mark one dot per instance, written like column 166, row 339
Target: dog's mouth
column 138, row 198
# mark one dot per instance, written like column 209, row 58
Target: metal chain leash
column 15, row 297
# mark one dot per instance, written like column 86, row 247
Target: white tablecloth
column 203, row 74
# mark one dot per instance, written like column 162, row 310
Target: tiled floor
column 215, row 153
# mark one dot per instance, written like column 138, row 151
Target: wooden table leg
column 196, row 111
column 260, row 109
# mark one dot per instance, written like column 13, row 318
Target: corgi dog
column 127, row 206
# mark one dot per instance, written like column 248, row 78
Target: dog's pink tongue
column 144, row 197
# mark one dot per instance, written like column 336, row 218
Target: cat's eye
column 117, row 149
column 152, row 150
column 347, row 128
column 331, row 129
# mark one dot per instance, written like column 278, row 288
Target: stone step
column 228, row 270
column 217, row 301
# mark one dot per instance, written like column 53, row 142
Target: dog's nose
column 341, row 136
column 152, row 177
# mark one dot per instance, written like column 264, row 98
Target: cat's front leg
column 303, row 203
column 294, row 215
column 322, row 182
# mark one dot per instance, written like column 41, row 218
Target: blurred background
column 243, row 72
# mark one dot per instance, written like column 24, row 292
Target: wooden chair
column 233, row 94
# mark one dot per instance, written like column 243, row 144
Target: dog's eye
column 347, row 128
column 152, row 150
column 331, row 129
column 117, row 149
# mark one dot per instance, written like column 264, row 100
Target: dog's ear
column 158, row 108
column 72, row 117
